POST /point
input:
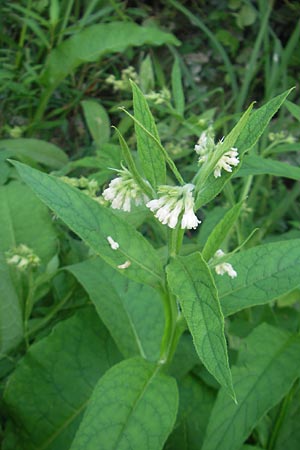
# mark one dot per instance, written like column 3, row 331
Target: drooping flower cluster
column 224, row 267
column 123, row 191
column 22, row 257
column 205, row 148
column 205, row 145
column 226, row 162
column 175, row 203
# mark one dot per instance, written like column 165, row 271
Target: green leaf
column 258, row 122
column 35, row 150
column 146, row 75
column 289, row 431
column 97, row 120
column 11, row 317
column 263, row 274
column 219, row 233
column 257, row 165
column 25, row 220
column 50, row 389
column 195, row 404
column 150, row 154
column 177, row 89
column 267, row 366
column 293, row 109
column 191, row 281
column 94, row 223
column 133, row 406
column 96, row 41
column 132, row 312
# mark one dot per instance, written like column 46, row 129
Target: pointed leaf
column 132, row 312
column 97, row 120
column 51, row 387
column 257, row 165
column 219, row 233
column 177, row 89
column 191, row 281
column 94, row 223
column 151, row 156
column 264, row 273
column 133, row 406
column 268, row 365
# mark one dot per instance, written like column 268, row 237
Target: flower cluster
column 22, row 257
column 226, row 162
column 224, row 267
column 123, row 84
column 163, row 96
column 123, row 191
column 206, row 146
column 174, row 203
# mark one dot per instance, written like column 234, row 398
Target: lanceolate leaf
column 94, row 223
column 97, row 121
column 51, row 387
column 132, row 312
column 268, row 365
column 191, row 281
column 151, row 156
column 264, row 273
column 97, row 41
column 177, row 90
column 220, row 231
column 257, row 165
column 133, row 406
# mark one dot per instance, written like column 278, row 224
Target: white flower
column 123, row 191
column 176, row 201
column 224, row 267
column 114, row 245
column 205, row 145
column 22, row 257
column 229, row 159
column 125, row 265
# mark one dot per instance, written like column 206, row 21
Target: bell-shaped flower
column 224, row 267
column 226, row 162
column 123, row 191
column 175, row 203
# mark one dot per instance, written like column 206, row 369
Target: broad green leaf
column 36, row 150
column 94, row 223
column 257, row 165
column 51, row 387
column 219, row 233
column 267, row 366
column 11, row 317
column 185, row 357
column 177, row 89
column 195, row 403
column 97, row 120
column 150, row 154
column 264, row 273
column 133, row 406
column 96, row 41
column 25, row 220
column 132, row 312
column 289, row 433
column 249, row 135
column 191, row 281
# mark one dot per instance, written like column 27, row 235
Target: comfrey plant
column 164, row 304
